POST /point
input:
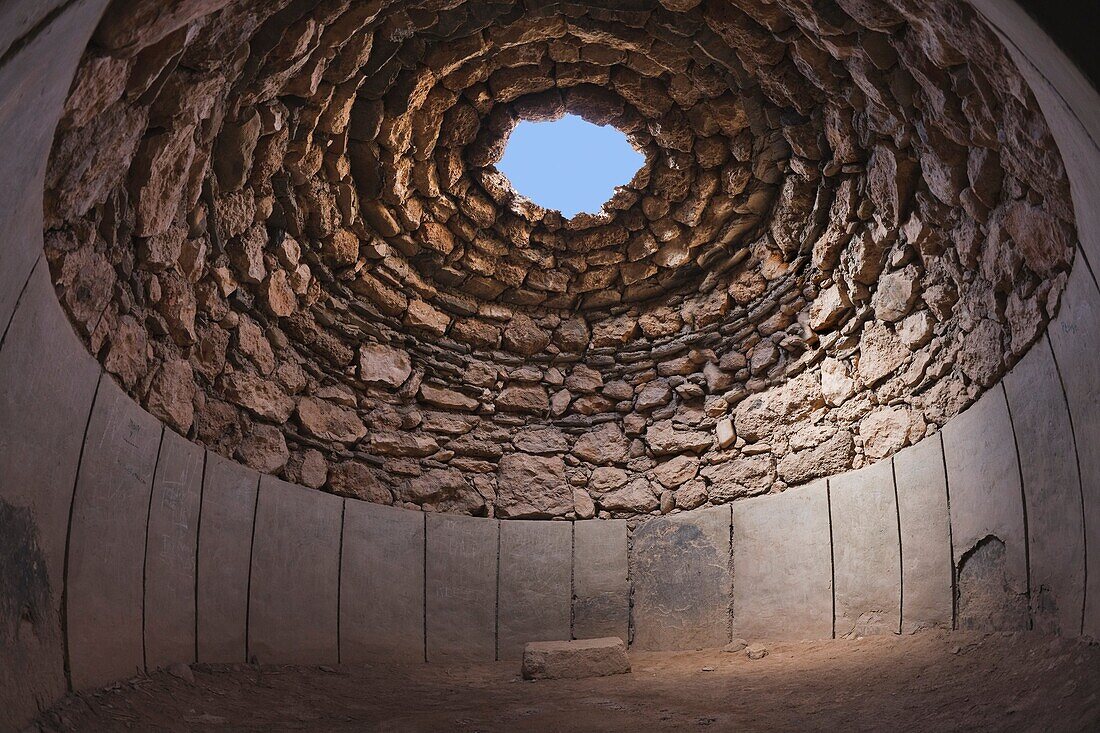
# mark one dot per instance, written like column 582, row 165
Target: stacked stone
column 280, row 227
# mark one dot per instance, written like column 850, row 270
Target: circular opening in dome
column 569, row 165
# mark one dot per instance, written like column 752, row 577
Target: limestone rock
column 446, row 398
column 532, row 486
column 603, row 446
column 523, row 398
column 541, row 440
column 881, row 353
column 171, row 395
column 264, row 449
column 357, row 481
column 664, row 439
column 675, row 471
column 831, row 457
column 403, row 444
column 637, row 497
column 327, row 421
column 524, row 337
column 740, row 477
column 885, row 431
column 896, row 293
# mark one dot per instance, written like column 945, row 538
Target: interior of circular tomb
column 814, row 338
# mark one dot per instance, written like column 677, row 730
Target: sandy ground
column 933, row 681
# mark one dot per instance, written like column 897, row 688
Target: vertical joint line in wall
column 145, row 554
column 1023, row 507
column 1080, row 484
column 68, row 540
column 950, row 539
column 424, row 590
column 496, row 613
column 832, row 551
column 729, row 591
column 198, row 538
column 572, row 579
column 629, row 585
column 18, row 302
column 248, row 594
column 1088, row 266
column 340, row 579
column 901, row 549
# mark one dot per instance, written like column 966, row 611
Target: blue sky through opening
column 569, row 164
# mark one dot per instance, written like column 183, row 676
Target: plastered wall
column 126, row 548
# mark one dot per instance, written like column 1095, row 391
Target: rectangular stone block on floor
column 601, row 589
column 987, row 517
column 927, row 571
column 461, row 587
column 295, row 583
column 555, row 660
column 782, row 566
column 866, row 551
column 382, row 584
column 170, row 553
column 224, row 556
column 107, row 542
column 680, row 569
column 535, row 572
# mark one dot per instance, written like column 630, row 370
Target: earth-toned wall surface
column 279, row 227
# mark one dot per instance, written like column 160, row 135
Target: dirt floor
column 933, row 681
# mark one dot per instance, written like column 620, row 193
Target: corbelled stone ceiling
column 280, row 228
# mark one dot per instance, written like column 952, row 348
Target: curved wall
column 125, row 547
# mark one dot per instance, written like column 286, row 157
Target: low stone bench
column 548, row 660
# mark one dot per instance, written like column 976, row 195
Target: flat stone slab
column 553, row 660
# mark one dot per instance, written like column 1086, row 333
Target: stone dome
column 280, row 228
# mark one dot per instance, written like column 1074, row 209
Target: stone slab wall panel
column 535, row 585
column 680, row 574
column 601, row 587
column 987, row 518
column 381, row 584
column 927, row 568
column 461, row 588
column 104, row 606
column 224, row 558
column 171, row 553
column 782, row 566
column 866, row 552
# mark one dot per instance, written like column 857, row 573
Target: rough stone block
column 680, row 566
column 552, row 660
column 225, row 551
column 107, row 541
column 295, row 575
column 783, row 586
column 461, row 588
column 926, row 568
column 866, row 551
column 535, row 558
column 382, row 584
column 601, row 589
column 987, row 513
column 170, row 553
